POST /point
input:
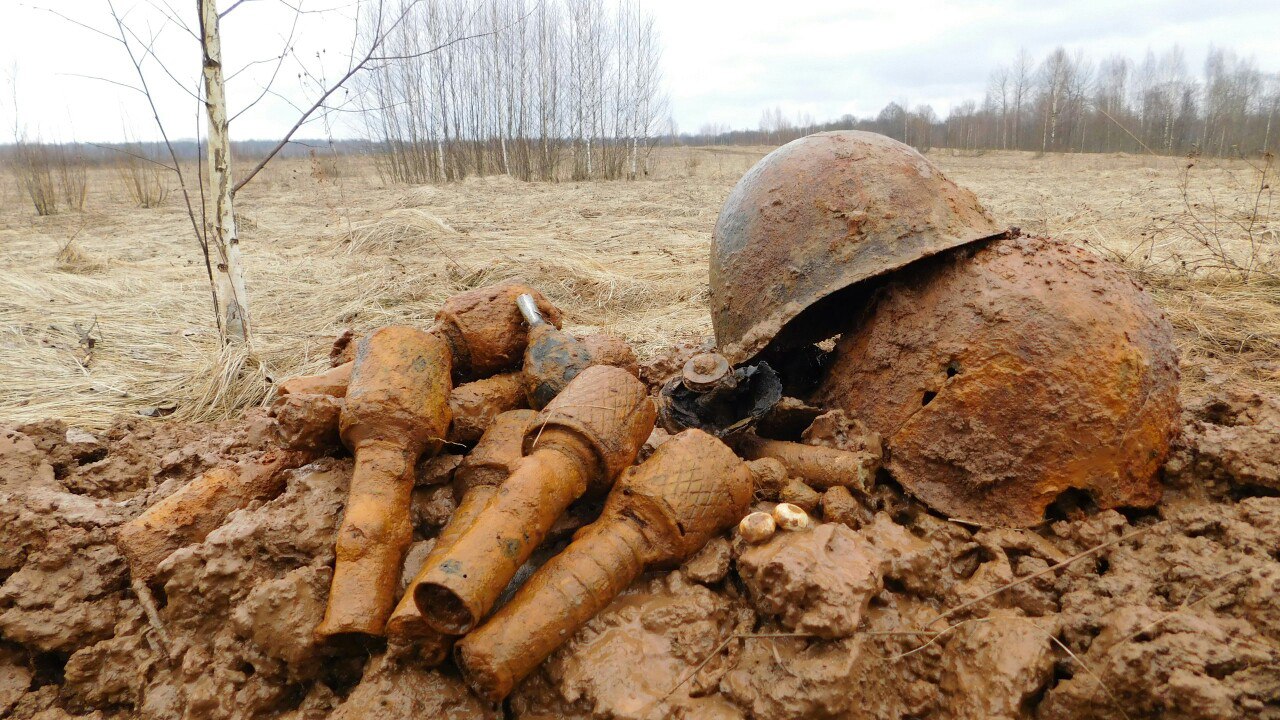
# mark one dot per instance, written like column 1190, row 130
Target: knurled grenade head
column 399, row 389
column 486, row 330
column 692, row 488
column 607, row 407
column 818, row 215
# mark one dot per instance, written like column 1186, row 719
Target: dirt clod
column 1179, row 621
column 816, row 582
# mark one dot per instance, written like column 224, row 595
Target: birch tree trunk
column 234, row 310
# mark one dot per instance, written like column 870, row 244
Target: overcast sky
column 725, row 62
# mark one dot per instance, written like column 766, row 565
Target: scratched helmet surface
column 818, row 215
column 1004, row 375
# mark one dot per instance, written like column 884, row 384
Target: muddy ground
column 890, row 612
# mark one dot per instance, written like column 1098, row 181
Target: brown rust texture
column 330, row 382
column 606, row 349
column 485, row 330
column 820, row 214
column 608, row 408
column 659, row 514
column 554, row 357
column 1002, row 377
column 588, row 435
column 475, row 405
column 406, row 624
column 821, row 467
column 497, row 453
column 200, row 506
column 475, row 481
column 396, row 408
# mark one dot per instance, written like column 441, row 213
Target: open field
column 107, row 311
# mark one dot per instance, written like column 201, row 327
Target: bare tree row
column 546, row 89
column 1067, row 102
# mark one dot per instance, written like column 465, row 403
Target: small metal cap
column 705, row 371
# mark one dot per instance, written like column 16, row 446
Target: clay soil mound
column 894, row 612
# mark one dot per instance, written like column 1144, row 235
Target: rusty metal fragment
column 475, row 405
column 820, row 467
column 307, row 422
column 494, row 458
column 660, row 513
column 305, row 419
column 553, row 357
column 1003, row 376
column 199, row 507
column 331, row 382
column 712, row 396
column 396, row 408
column 605, row 349
column 818, row 215
column 589, row 434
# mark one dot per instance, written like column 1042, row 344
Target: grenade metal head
column 691, row 489
column 608, row 408
column 1004, row 376
column 399, row 389
column 486, row 330
column 819, row 215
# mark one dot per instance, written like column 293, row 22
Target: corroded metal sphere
column 1003, row 375
column 819, row 215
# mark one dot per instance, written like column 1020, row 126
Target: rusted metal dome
column 1003, row 375
column 820, row 214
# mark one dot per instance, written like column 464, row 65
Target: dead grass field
column 328, row 247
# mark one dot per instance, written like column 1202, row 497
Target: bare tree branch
column 288, row 44
column 122, row 151
column 126, row 86
column 234, row 5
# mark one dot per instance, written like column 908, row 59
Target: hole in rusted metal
column 929, row 395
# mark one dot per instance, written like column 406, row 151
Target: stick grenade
column 475, row 481
column 396, row 408
column 820, row 467
column 589, row 434
column 658, row 514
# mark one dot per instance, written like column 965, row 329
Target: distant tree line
column 1067, row 102
column 533, row 89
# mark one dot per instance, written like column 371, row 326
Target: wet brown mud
column 1177, row 621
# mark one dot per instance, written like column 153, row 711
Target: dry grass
column 144, row 181
column 334, row 249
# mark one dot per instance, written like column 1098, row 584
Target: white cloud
column 724, row 62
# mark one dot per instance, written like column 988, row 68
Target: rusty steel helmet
column 818, row 215
column 1004, row 375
